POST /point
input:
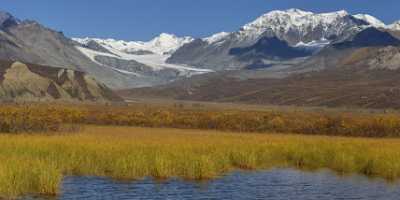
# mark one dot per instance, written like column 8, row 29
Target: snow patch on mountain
column 313, row 45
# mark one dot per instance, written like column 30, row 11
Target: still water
column 281, row 184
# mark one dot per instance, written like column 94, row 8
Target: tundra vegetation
column 41, row 144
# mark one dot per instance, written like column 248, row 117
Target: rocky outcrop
column 29, row 82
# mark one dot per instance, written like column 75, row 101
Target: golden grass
column 36, row 163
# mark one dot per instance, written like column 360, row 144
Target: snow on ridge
column 163, row 44
column 371, row 20
column 278, row 20
column 216, row 37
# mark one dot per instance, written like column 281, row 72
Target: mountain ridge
column 127, row 64
column 295, row 26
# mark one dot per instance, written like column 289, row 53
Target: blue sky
column 144, row 19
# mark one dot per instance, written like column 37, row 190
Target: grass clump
column 36, row 163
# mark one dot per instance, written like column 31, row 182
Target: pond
column 281, row 184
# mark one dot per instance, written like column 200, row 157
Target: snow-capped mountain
column 163, row 44
column 299, row 22
column 143, row 60
column 296, row 27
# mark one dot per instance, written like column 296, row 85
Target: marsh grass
column 36, row 164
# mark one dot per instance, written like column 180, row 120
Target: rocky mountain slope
column 29, row 82
column 31, row 42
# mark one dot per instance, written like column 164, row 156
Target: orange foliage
column 17, row 118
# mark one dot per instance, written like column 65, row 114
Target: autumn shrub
column 301, row 122
column 24, row 118
column 17, row 118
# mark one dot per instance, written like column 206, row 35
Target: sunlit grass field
column 36, row 163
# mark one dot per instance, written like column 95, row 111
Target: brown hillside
column 29, row 82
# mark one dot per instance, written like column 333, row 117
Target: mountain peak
column 165, row 43
column 295, row 15
column 167, row 35
column 300, row 22
column 164, row 37
column 7, row 20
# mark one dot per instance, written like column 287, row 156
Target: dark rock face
column 140, row 52
column 188, row 52
column 370, row 37
column 97, row 47
column 7, row 20
column 269, row 48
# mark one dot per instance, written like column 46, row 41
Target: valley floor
column 37, row 163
